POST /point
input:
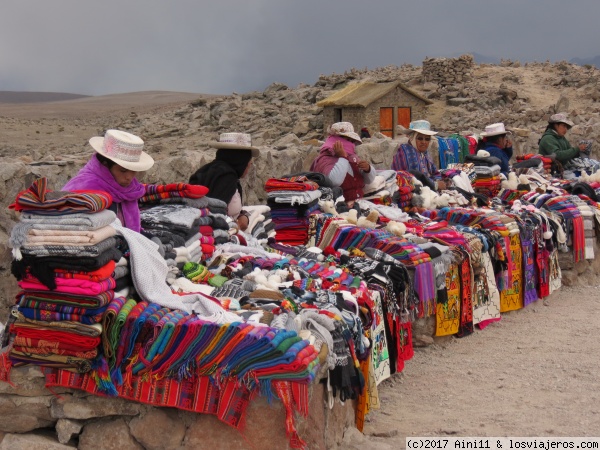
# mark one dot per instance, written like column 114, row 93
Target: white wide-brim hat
column 123, row 148
column 494, row 129
column 344, row 129
column 236, row 141
column 420, row 126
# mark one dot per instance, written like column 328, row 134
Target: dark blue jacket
column 503, row 154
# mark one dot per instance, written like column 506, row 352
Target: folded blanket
column 70, row 250
column 180, row 215
column 39, row 199
column 67, row 237
column 294, row 197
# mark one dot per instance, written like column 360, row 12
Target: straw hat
column 236, row 141
column 494, row 129
column 123, row 148
column 420, row 126
column 344, row 129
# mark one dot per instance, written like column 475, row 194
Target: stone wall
column 448, row 71
column 32, row 416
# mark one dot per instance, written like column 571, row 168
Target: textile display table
column 298, row 319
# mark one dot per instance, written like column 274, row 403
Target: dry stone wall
column 448, row 71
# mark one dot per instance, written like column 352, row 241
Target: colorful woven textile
column 299, row 183
column 40, row 200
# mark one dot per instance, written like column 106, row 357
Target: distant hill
column 595, row 61
column 36, row 97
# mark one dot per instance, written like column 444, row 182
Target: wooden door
column 386, row 121
column 404, row 116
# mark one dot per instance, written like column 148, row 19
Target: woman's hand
column 338, row 150
column 582, row 147
column 364, row 166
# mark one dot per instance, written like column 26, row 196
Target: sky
column 224, row 46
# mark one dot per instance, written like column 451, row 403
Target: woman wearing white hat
column 413, row 157
column 496, row 142
column 338, row 161
column 222, row 176
column 113, row 168
column 554, row 143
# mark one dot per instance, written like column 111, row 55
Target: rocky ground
column 534, row 373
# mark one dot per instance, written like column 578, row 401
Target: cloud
column 240, row 45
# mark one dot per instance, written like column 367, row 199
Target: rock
column 71, row 407
column 158, row 429
column 107, row 434
column 521, row 132
column 66, row 429
column 423, row 340
column 31, row 442
column 286, row 141
column 458, row 101
column 22, row 414
column 562, row 104
column 27, row 381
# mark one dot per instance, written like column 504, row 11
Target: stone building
column 377, row 106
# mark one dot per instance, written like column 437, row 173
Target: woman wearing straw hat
column 555, row 145
column 413, row 157
column 113, row 168
column 222, row 176
column 496, row 142
column 338, row 161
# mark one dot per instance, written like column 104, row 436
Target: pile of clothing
column 65, row 255
column 291, row 201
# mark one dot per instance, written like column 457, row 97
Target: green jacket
column 551, row 143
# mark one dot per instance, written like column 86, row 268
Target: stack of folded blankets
column 217, row 220
column 547, row 162
column 487, row 170
column 178, row 226
column 65, row 255
column 291, row 201
column 260, row 223
column 178, row 244
column 487, row 181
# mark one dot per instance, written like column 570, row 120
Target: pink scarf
column 326, row 159
column 95, row 176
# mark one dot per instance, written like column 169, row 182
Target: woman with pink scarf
column 113, row 168
column 341, row 165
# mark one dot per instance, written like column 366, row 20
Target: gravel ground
column 534, row 373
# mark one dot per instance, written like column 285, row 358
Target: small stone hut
column 377, row 106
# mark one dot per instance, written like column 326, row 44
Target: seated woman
column 222, row 176
column 496, row 142
column 113, row 168
column 413, row 157
column 555, row 145
column 338, row 161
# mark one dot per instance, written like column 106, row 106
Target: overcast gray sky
column 224, row 46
